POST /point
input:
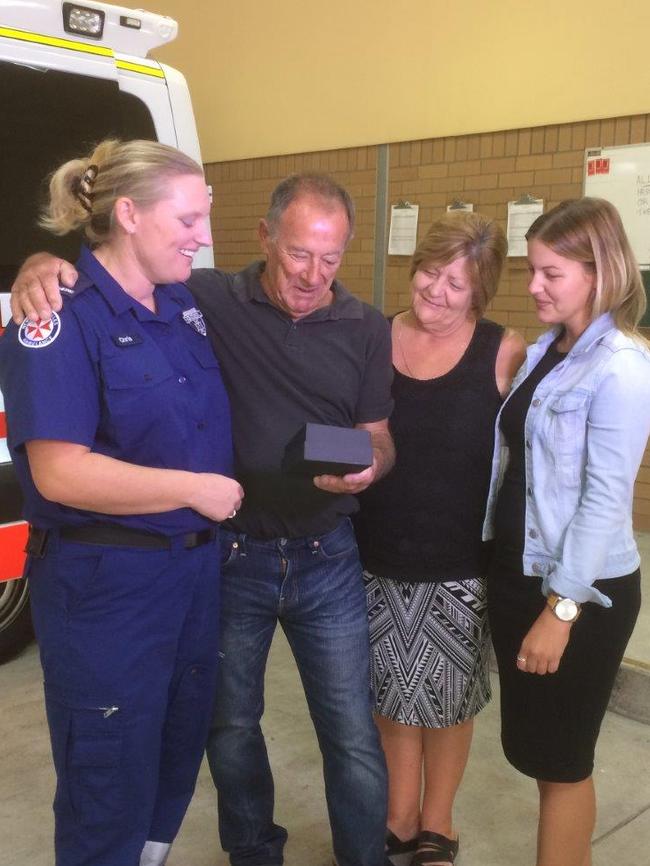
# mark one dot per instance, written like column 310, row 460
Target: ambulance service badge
column 38, row 335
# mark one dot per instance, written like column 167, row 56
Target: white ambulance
column 70, row 75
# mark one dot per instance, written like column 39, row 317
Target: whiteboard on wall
column 622, row 175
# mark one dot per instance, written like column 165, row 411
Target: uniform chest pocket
column 203, row 353
column 135, row 369
column 140, row 390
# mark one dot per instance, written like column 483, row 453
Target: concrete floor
column 496, row 809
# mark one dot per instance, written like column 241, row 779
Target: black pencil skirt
column 550, row 723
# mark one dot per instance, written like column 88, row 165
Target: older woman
column 564, row 586
column 119, row 428
column 419, row 530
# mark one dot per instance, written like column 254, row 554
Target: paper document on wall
column 521, row 215
column 403, row 229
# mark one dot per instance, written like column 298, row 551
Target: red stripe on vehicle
column 13, row 538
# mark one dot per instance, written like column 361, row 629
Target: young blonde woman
column 419, row 531
column 564, row 585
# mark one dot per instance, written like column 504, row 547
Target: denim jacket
column 585, row 433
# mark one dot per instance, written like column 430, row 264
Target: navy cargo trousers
column 129, row 645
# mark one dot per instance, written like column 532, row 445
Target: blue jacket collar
column 589, row 337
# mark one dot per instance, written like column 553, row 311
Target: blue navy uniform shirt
column 110, row 374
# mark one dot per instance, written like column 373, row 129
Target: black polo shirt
column 330, row 367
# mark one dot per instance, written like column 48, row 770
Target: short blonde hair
column 83, row 191
column 471, row 235
column 590, row 230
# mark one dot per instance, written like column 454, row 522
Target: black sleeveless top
column 423, row 521
column 510, row 512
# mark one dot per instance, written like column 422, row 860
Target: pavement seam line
column 621, row 824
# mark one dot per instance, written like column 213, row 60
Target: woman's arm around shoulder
column 510, row 357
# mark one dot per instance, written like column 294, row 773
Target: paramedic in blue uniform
column 119, row 428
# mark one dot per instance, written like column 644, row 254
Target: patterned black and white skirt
column 429, row 650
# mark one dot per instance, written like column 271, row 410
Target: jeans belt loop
column 240, row 541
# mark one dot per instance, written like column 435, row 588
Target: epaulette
column 83, row 282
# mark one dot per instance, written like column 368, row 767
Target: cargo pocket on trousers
column 95, row 784
column 87, row 743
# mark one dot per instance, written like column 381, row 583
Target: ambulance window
column 47, row 117
column 11, row 501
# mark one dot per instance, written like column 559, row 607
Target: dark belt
column 114, row 536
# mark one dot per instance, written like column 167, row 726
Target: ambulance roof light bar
column 89, row 21
column 123, row 29
column 82, row 20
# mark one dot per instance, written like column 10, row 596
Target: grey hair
column 308, row 183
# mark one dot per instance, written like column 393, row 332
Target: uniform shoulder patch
column 37, row 335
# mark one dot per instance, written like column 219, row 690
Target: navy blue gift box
column 320, row 449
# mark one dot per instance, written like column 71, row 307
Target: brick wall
column 489, row 170
column 241, row 192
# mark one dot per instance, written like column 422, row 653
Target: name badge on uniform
column 194, row 318
column 123, row 341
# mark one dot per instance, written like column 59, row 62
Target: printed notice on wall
column 521, row 215
column 403, row 229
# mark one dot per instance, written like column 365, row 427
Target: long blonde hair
column 590, row 230
column 83, row 191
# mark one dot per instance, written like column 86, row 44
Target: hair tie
column 83, row 187
column 90, row 175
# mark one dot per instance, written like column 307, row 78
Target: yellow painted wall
column 288, row 76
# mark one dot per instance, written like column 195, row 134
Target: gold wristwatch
column 565, row 609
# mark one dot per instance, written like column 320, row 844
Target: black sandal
column 434, row 848
column 399, row 852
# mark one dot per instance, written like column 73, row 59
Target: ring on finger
column 521, row 659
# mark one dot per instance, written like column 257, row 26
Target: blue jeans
column 314, row 587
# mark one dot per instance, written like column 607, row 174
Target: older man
column 294, row 346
